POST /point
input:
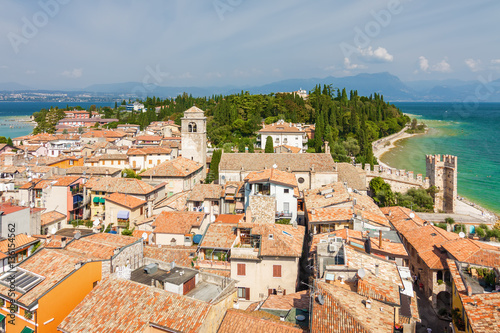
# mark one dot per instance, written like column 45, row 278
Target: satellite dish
column 212, row 218
column 412, row 215
column 461, row 234
column 53, row 230
column 361, row 273
column 32, row 205
column 321, row 299
column 275, row 166
column 144, row 236
column 78, row 235
column 96, row 222
column 23, row 203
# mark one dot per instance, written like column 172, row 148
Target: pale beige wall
column 259, row 275
column 164, row 239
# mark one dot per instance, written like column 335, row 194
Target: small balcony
column 245, row 252
column 283, row 215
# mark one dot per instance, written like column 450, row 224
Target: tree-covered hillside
column 347, row 121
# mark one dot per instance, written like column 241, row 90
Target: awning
column 26, row 329
column 96, row 200
column 102, row 200
column 123, row 214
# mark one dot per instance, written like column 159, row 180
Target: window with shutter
column 276, row 270
column 247, row 294
column 241, row 269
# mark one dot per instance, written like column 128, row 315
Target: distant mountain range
column 393, row 89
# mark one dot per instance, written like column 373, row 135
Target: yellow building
column 39, row 293
column 68, row 162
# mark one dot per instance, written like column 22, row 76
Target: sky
column 72, row 44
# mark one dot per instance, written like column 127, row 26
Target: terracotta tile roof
column 400, row 218
column 473, row 252
column 354, row 177
column 201, row 192
column 282, row 127
column 20, row 241
column 66, row 180
column 229, row 218
column 148, row 151
column 219, row 235
column 177, row 222
column 117, row 305
column 100, row 245
column 298, row 300
column 288, row 149
column 296, row 162
column 176, row 202
column 53, row 264
column 286, row 241
column 104, row 157
column 373, row 217
column 125, row 200
column 272, row 175
column 8, row 208
column 179, row 254
column 240, row 321
column 330, row 214
column 233, row 189
column 427, row 241
column 344, row 311
column 122, row 185
column 104, row 134
column 387, row 270
column 381, row 290
column 482, row 310
column 51, row 217
column 148, row 138
column 178, row 167
column 356, row 237
column 314, row 199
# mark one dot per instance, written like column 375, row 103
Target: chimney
column 380, row 239
column 347, row 236
column 469, row 291
column 396, row 315
column 63, row 241
column 313, row 211
column 368, row 303
column 376, row 269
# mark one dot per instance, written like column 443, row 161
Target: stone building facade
column 442, row 173
column 194, row 135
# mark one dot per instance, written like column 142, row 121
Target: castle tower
column 442, row 173
column 194, row 136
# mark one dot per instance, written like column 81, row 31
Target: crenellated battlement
column 437, row 160
column 406, row 179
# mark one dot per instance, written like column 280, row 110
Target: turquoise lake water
column 469, row 132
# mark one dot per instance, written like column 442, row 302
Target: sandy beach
column 464, row 206
column 382, row 146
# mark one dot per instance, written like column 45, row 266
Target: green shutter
column 26, row 329
column 102, row 200
column 96, row 200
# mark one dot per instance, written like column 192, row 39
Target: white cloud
column 349, row 65
column 73, row 74
column 443, row 66
column 495, row 61
column 423, row 63
column 186, row 75
column 379, row 54
column 473, row 64
column 30, row 72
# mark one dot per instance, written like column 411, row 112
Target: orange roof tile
column 229, row 218
column 178, row 167
column 20, row 241
column 148, row 151
column 100, row 245
column 240, row 321
column 118, row 305
column 201, row 192
column 51, row 217
column 177, row 222
column 219, row 235
column 121, row 185
column 299, row 300
column 180, row 254
column 125, row 200
column 272, row 175
column 330, row 214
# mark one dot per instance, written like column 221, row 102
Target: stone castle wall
column 400, row 180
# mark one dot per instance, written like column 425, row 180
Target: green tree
column 129, row 173
column 213, row 173
column 9, row 142
column 269, row 145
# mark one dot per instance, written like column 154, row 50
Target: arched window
column 192, row 127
